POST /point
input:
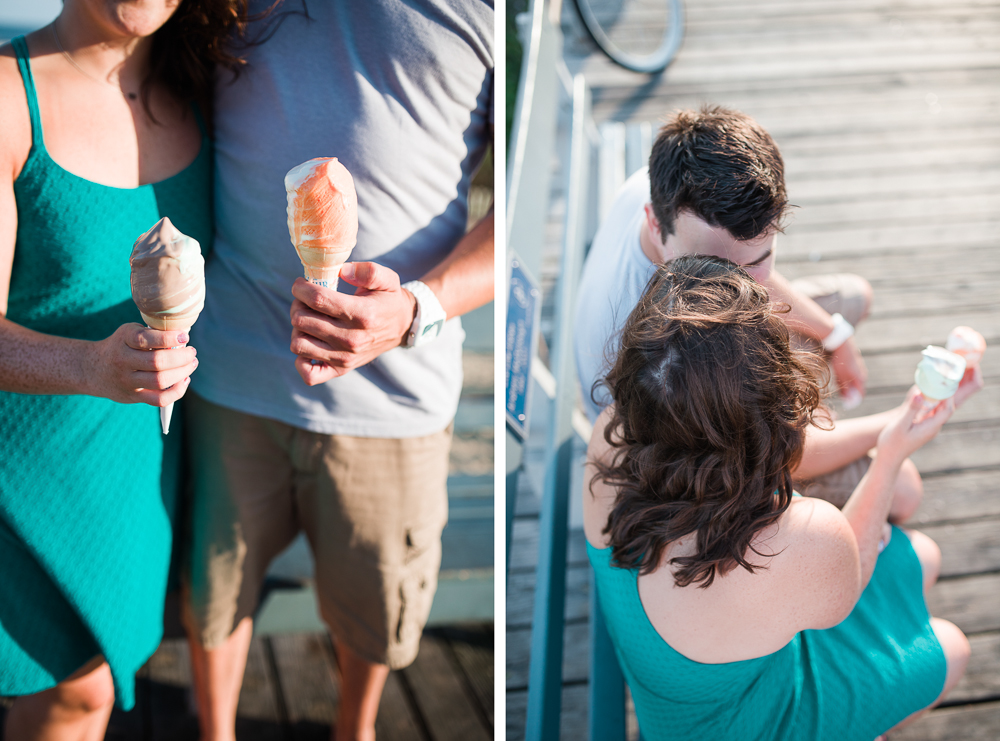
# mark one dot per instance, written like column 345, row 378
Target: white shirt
column 614, row 278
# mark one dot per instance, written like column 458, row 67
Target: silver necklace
column 81, row 70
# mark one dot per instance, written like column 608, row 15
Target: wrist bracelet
column 430, row 318
column 842, row 332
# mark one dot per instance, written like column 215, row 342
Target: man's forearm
column 827, row 450
column 806, row 317
column 463, row 281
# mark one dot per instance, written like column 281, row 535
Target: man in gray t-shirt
column 329, row 411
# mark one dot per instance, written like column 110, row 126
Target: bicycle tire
column 649, row 62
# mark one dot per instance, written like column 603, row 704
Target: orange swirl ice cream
column 168, row 283
column 968, row 343
column 322, row 217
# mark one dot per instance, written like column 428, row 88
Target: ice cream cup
column 937, row 376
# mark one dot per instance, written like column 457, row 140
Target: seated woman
column 738, row 609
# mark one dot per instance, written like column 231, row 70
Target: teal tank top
column 87, row 486
column 852, row 682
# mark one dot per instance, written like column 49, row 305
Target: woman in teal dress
column 103, row 134
column 737, row 609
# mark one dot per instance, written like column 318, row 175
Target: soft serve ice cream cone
column 322, row 217
column 968, row 343
column 168, row 283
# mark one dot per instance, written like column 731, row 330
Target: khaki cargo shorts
column 372, row 509
column 845, row 294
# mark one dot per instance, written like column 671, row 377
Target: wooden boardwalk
column 291, row 690
column 888, row 115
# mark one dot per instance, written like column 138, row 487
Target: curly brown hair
column 199, row 37
column 709, row 418
column 723, row 167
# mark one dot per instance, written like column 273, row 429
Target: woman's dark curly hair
column 199, row 37
column 709, row 418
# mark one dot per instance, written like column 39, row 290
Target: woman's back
column 806, row 578
column 847, row 683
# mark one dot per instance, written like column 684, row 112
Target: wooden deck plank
column 981, row 681
column 307, row 682
column 573, row 719
column 969, row 723
column 575, row 656
column 892, row 238
column 447, row 709
column 172, row 709
column 971, row 547
column 521, row 589
column 260, row 714
column 473, row 649
column 959, row 496
column 971, row 602
column 397, row 719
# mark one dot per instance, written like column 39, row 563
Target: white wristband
column 430, row 318
column 842, row 332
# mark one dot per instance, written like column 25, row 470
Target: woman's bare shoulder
column 819, row 568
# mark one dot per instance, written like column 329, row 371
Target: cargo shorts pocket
column 418, row 584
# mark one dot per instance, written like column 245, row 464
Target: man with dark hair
column 715, row 185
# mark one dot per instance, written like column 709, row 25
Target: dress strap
column 24, row 64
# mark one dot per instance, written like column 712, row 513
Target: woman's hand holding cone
column 137, row 365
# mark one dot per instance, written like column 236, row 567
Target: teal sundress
column 87, row 486
column 847, row 683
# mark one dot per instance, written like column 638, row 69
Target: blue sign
column 521, row 335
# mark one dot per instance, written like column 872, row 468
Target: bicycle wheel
column 640, row 35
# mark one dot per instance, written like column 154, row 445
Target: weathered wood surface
column 291, row 692
column 887, row 113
